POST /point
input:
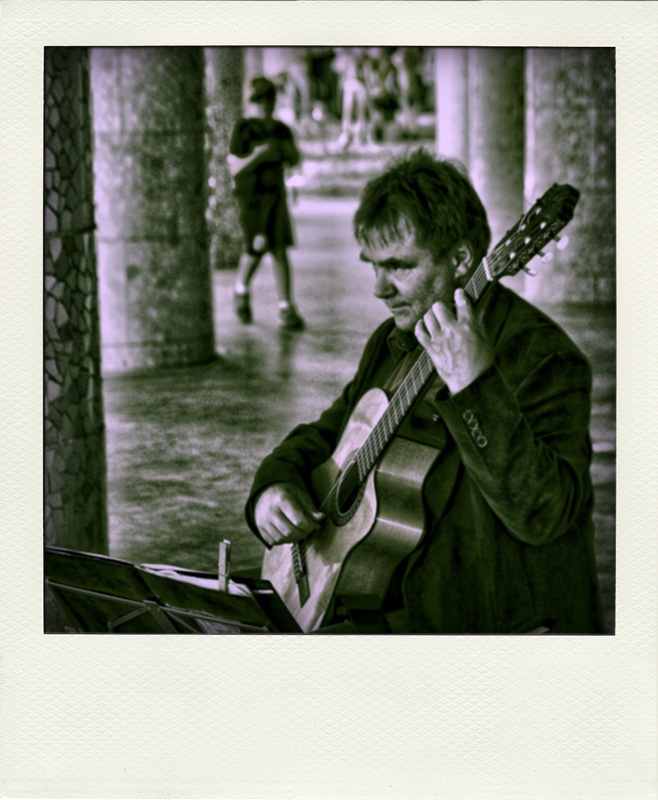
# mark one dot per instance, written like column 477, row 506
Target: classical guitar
column 371, row 487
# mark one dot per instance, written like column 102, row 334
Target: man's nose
column 383, row 287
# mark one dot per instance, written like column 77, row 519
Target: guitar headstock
column 533, row 231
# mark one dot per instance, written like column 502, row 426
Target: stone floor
column 183, row 444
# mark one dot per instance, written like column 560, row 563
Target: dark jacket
column 509, row 542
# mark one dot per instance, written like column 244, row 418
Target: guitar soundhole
column 347, row 497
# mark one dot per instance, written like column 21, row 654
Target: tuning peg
column 545, row 257
column 528, row 271
column 562, row 242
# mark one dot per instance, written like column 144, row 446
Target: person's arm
column 244, row 157
column 528, row 450
column 280, row 508
column 242, row 165
column 286, row 471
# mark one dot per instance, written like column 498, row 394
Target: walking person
column 261, row 148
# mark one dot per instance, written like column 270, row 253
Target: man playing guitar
column 507, row 537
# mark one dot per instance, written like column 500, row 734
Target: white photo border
column 326, row 717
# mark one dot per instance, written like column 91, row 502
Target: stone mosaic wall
column 224, row 89
column 75, row 497
column 571, row 139
column 150, row 193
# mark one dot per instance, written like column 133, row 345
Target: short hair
column 431, row 196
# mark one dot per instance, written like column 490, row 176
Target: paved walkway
column 183, row 444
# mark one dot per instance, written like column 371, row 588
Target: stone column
column 149, row 163
column 496, row 132
column 224, row 90
column 571, row 139
column 451, row 89
column 75, row 471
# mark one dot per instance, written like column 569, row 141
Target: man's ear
column 462, row 259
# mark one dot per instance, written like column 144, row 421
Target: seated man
column 508, row 542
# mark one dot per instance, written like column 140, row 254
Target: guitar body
column 367, row 532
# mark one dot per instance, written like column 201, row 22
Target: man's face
column 408, row 279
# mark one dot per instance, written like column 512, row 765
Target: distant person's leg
column 289, row 318
column 247, row 267
column 254, row 212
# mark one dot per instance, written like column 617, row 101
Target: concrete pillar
column 480, row 122
column 75, row 491
column 496, row 135
column 224, row 89
column 149, row 162
column 451, row 89
column 571, row 139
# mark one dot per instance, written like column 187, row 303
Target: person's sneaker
column 289, row 319
column 242, row 306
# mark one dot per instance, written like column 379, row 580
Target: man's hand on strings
column 457, row 344
column 286, row 513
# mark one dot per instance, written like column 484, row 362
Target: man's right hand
column 286, row 513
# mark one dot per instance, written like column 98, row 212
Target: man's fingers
column 271, row 533
column 432, row 325
column 421, row 334
column 443, row 315
column 309, row 507
column 279, row 529
column 463, row 305
column 296, row 517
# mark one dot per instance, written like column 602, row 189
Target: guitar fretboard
column 411, row 386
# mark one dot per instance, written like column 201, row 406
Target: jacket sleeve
column 527, row 448
column 311, row 444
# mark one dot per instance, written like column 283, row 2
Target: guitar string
column 402, row 400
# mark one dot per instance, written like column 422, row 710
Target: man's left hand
column 458, row 345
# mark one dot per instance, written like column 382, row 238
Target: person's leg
column 282, row 276
column 247, row 267
column 288, row 316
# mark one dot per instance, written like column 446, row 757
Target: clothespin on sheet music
column 224, row 568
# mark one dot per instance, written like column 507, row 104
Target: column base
column 117, row 358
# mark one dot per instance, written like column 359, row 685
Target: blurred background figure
column 379, row 78
column 349, row 66
column 261, row 147
column 407, row 62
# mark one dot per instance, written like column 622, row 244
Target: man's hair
column 432, row 198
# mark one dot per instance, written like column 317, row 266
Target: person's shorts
column 265, row 222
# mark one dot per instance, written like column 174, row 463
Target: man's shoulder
column 522, row 316
column 381, row 333
column 527, row 334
